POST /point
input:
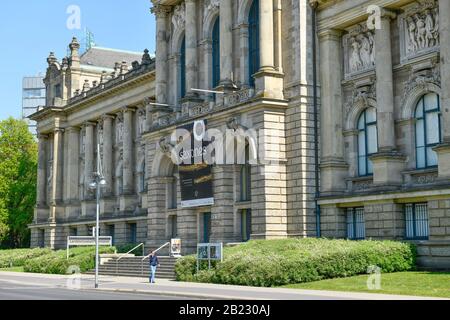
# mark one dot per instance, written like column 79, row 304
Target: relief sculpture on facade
column 419, row 28
column 359, row 50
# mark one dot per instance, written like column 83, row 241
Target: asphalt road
column 14, row 291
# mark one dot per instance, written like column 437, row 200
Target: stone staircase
column 131, row 266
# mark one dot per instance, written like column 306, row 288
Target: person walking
column 154, row 263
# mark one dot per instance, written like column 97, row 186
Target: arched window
column 367, row 140
column 428, row 130
column 253, row 38
column 183, row 68
column 216, row 53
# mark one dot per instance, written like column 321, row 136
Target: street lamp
column 98, row 182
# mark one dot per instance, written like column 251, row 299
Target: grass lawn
column 426, row 284
column 13, row 269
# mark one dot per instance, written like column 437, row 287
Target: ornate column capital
column 89, row 124
column 58, row 130
column 75, row 129
column 108, row 116
column 128, row 109
column 330, row 34
column 161, row 11
column 42, row 136
column 387, row 14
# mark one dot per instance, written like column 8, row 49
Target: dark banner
column 195, row 175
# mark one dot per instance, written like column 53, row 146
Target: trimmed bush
column 56, row 262
column 270, row 263
column 18, row 257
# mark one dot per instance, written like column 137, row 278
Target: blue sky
column 30, row 29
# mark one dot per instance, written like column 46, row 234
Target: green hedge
column 280, row 262
column 17, row 257
column 56, row 262
column 127, row 247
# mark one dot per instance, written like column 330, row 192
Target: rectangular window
column 132, row 233
column 416, row 217
column 73, row 232
column 111, row 232
column 356, row 228
column 246, row 224
column 41, row 238
column 173, row 227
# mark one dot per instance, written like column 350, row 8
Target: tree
column 18, row 175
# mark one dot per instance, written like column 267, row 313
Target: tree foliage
column 18, row 175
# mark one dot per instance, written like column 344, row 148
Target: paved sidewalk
column 191, row 290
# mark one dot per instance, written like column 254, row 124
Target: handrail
column 164, row 245
column 146, row 257
column 125, row 254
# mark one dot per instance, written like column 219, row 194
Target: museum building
column 376, row 134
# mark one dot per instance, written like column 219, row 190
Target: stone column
column 443, row 151
column 58, row 159
column 41, row 199
column 107, row 154
column 268, row 81
column 128, row 185
column 387, row 163
column 72, row 182
column 266, row 38
column 191, row 46
column 88, row 157
column 278, row 36
column 243, row 44
column 161, row 12
column 384, row 84
column 333, row 167
column 57, row 175
column 226, row 42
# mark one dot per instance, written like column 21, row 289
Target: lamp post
column 98, row 182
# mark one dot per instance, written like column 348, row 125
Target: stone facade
column 390, row 67
column 132, row 113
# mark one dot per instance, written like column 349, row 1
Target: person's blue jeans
column 152, row 275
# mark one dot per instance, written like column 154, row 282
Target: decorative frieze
column 359, row 50
column 239, row 97
column 419, row 29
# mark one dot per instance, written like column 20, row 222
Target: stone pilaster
column 226, row 42
column 384, row 84
column 57, row 175
column 268, row 81
column 387, row 163
column 243, row 44
column 107, row 154
column 443, row 151
column 333, row 167
column 222, row 211
column 191, row 47
column 128, row 185
column 72, row 179
column 161, row 13
column 88, row 158
column 41, row 200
